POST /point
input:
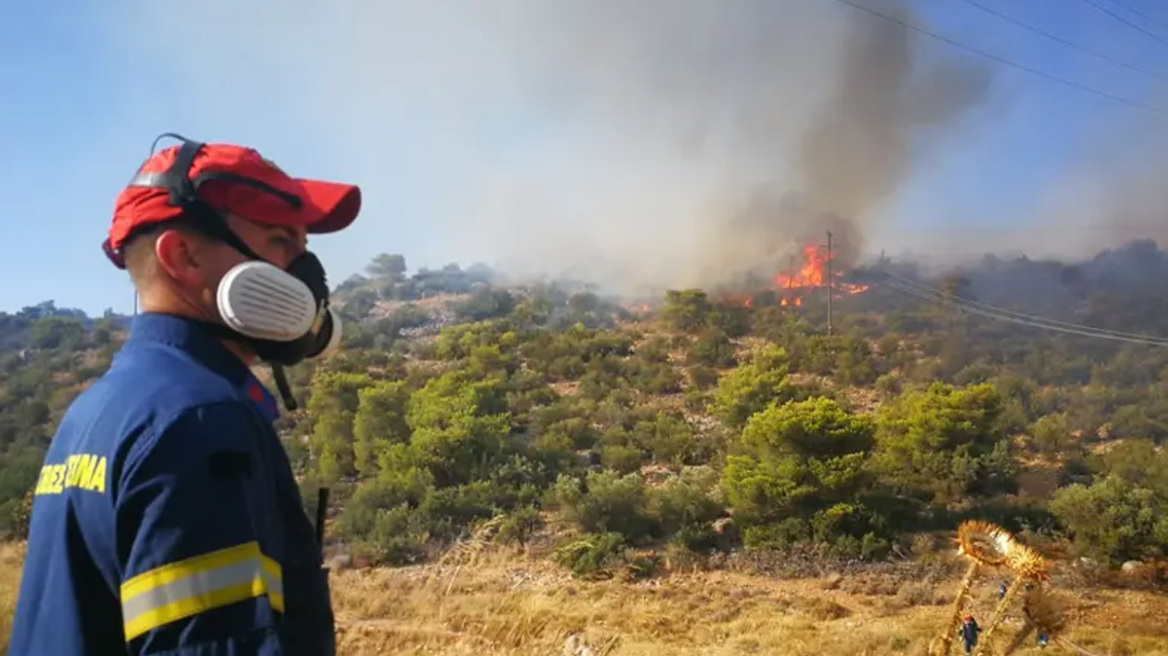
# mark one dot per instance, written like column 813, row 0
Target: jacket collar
column 262, row 398
column 195, row 338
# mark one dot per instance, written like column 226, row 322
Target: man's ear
column 177, row 253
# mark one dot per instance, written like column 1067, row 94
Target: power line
column 991, row 315
column 1066, row 42
column 997, row 313
column 1053, row 323
column 1139, row 13
column 1003, row 60
column 1029, row 317
column 1125, row 21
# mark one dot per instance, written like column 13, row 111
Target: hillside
column 610, row 439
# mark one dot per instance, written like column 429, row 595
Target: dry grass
column 496, row 604
column 508, row 605
column 11, row 557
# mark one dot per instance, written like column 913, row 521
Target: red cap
column 324, row 206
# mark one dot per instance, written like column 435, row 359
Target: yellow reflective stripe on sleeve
column 273, row 572
column 196, row 585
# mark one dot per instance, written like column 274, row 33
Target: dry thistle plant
column 986, row 544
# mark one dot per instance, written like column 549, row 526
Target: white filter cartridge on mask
column 334, row 343
column 262, row 301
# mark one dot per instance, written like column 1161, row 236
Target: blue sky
column 420, row 107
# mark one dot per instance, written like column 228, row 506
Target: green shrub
column 605, row 502
column 593, row 556
column 519, row 526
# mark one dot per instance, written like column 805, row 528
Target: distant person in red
column 166, row 520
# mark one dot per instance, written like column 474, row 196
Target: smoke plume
column 879, row 113
column 640, row 145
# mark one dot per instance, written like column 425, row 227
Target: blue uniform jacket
column 166, row 519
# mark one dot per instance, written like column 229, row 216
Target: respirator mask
column 283, row 315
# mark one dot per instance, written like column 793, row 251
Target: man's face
column 279, row 245
column 198, row 264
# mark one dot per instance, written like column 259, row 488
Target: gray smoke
column 1115, row 193
column 857, row 155
column 880, row 113
column 638, row 144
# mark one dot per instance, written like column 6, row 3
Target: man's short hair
column 138, row 252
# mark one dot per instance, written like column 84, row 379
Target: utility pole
column 830, row 283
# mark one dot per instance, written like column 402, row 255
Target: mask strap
column 283, row 387
column 278, row 373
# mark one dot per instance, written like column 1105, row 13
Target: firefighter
column 166, row 519
column 968, row 632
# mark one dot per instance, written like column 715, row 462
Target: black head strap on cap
column 183, row 187
column 182, row 190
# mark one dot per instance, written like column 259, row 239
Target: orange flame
column 810, row 274
column 791, row 287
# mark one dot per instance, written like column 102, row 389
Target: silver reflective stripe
column 202, row 583
column 155, row 179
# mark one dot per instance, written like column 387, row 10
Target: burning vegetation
column 792, row 287
column 814, row 272
column 788, row 289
